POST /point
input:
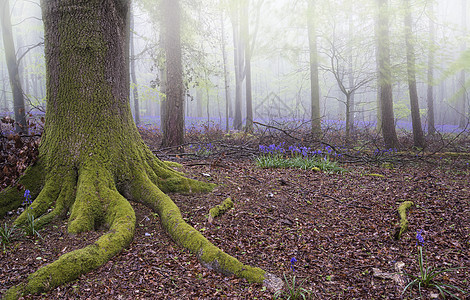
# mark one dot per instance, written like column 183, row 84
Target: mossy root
column 220, row 209
column 145, row 191
column 117, row 214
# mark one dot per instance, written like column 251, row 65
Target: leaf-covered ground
column 337, row 226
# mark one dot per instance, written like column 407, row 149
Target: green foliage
column 310, row 163
column 427, row 278
column 6, row 235
column 294, row 291
column 30, row 228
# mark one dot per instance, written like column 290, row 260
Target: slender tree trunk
column 162, row 96
column 314, row 85
column 378, row 127
column 245, row 33
column 135, row 90
column 385, row 76
column 173, row 130
column 4, row 91
column 463, row 120
column 348, row 115
column 12, row 65
column 238, row 62
column 199, row 101
column 208, row 104
column 228, row 105
column 418, row 136
column 430, row 95
column 350, row 99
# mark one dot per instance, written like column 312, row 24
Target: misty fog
column 280, row 67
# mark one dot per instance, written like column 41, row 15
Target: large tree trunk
column 314, row 85
column 92, row 159
column 12, row 65
column 385, row 76
column 418, row 136
column 173, row 128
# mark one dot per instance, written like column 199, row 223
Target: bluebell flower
column 420, row 238
column 27, row 197
column 292, row 262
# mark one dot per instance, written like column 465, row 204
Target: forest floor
column 338, row 227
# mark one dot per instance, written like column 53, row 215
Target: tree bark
column 135, row 90
column 463, row 120
column 385, row 76
column 238, row 62
column 430, row 91
column 173, row 128
column 314, row 85
column 228, row 102
column 92, row 159
column 13, row 73
column 245, row 32
column 418, row 136
column 350, row 100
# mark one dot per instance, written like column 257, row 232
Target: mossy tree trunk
column 92, row 158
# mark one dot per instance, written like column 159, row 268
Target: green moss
column 12, row 197
column 220, row 209
column 68, row 267
column 375, row 175
column 403, row 220
column 172, row 164
column 188, row 237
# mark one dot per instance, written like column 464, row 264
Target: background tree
column 92, row 159
column 463, row 120
column 228, row 102
column 418, row 136
column 314, row 84
column 385, row 76
column 430, row 79
column 12, row 65
column 135, row 89
column 238, row 60
column 173, row 128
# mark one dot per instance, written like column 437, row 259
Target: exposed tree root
column 220, row 209
column 91, row 196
